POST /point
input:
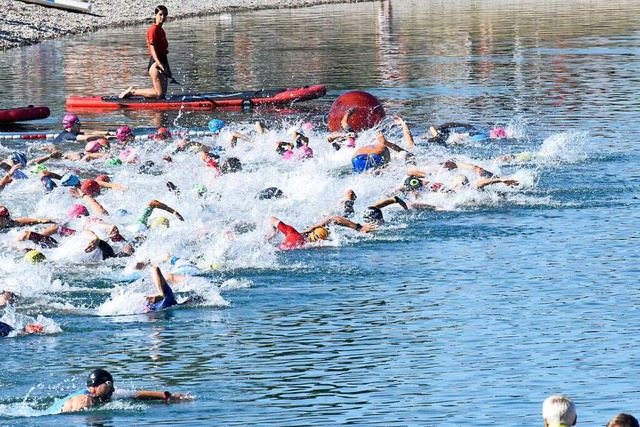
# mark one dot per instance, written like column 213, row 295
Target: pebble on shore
column 27, row 23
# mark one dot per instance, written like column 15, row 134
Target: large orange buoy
column 368, row 111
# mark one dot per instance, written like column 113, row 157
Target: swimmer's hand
column 368, row 228
column 511, row 182
column 177, row 396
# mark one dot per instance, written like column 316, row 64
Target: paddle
column 169, row 76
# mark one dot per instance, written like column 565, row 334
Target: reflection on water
column 442, row 317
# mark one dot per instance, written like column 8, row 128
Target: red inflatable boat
column 22, row 114
column 200, row 101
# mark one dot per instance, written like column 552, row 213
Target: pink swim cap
column 307, row 126
column 497, row 133
column 69, row 120
column 93, row 147
column 351, row 142
column 304, row 152
column 76, row 211
column 287, row 155
column 128, row 156
column 123, row 133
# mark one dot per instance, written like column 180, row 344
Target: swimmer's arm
column 391, row 145
column 483, row 182
column 93, row 243
column 90, row 136
column 94, row 205
column 155, row 204
column 406, row 131
column 344, row 222
column 77, row 403
column 345, row 119
column 337, row 135
column 32, row 221
column 56, row 154
column 236, row 136
column 7, row 178
column 260, row 128
column 112, row 185
column 159, row 395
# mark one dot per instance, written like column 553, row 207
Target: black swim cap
column 373, row 215
column 98, row 377
column 412, row 183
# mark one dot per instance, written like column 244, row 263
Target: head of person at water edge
column 34, row 256
column 215, row 125
column 70, row 120
column 100, row 384
column 319, row 233
column 125, row 134
column 159, row 222
column 623, row 420
column 90, row 188
column 558, row 410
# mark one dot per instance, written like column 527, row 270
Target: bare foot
column 127, row 93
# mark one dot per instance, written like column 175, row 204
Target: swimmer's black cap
column 98, row 377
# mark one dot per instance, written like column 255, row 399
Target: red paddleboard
column 200, row 101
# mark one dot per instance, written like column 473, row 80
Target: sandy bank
column 24, row 23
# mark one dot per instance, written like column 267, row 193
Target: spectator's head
column 623, row 420
column 559, row 410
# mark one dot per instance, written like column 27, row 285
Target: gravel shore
column 25, row 23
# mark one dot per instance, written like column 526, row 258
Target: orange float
column 368, row 111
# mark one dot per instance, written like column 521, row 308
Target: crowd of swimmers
column 93, row 236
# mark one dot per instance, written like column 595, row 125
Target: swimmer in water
column 100, row 389
column 376, row 156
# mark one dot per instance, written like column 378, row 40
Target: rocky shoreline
column 25, row 24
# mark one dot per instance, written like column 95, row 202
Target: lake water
column 469, row 315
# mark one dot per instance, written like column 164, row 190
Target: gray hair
column 559, row 409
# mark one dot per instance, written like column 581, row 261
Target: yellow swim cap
column 319, row 233
column 34, row 256
column 160, row 221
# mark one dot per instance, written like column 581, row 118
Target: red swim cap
column 90, row 187
column 103, row 178
column 4, row 212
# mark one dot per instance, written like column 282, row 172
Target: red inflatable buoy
column 368, row 111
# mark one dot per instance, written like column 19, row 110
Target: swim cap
column 114, row 161
column 459, row 180
column 304, row 152
column 4, row 212
column 124, row 133
column 33, row 328
column 128, row 156
column 200, row 189
column 123, row 212
column 307, row 126
column 232, row 164
column 319, row 233
column 20, row 158
column 98, row 377
column 104, row 142
column 270, row 193
column 413, row 183
column 160, row 221
column 38, row 169
column 525, row 156
column 90, row 188
column 69, row 120
column 497, row 133
column 215, row 125
column 103, row 178
column 93, row 147
column 48, row 182
column 34, row 256
column 76, row 211
column 161, row 134
column 373, row 215
column 70, row 180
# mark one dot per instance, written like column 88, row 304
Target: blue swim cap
column 17, row 157
column 215, row 125
column 123, row 212
column 70, row 180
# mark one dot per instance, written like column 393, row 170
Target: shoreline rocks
column 26, row 24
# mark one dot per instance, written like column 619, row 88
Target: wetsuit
column 169, row 299
column 292, row 238
column 56, row 408
column 5, row 329
column 66, row 136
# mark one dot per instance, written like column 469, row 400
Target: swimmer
column 293, row 239
column 346, row 136
column 71, row 132
column 164, row 298
column 7, row 297
column 100, row 389
column 374, row 157
column 32, row 328
column 7, row 222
